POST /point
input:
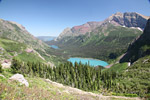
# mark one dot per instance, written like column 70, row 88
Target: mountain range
column 132, row 20
column 104, row 40
column 120, row 34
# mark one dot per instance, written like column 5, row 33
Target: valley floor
column 45, row 89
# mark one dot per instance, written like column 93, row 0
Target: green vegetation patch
column 120, row 67
column 12, row 46
column 31, row 57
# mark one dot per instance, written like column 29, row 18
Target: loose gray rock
column 20, row 78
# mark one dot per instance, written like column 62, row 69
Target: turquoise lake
column 92, row 62
column 54, row 46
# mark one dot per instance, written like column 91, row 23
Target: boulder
column 6, row 65
column 20, row 78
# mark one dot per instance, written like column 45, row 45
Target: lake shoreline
column 91, row 61
column 88, row 58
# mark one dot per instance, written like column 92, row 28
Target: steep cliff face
column 119, row 19
column 129, row 19
column 140, row 47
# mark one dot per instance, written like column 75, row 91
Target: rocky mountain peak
column 119, row 14
column 127, row 19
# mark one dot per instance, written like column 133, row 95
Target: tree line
column 79, row 76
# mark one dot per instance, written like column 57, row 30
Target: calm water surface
column 92, row 62
column 54, row 46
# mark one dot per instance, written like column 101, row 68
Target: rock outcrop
column 140, row 47
column 6, row 65
column 66, row 32
column 129, row 19
column 20, row 78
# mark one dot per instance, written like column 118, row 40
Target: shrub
column 1, row 70
column 131, row 95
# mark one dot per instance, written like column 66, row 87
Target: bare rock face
column 147, row 29
column 66, row 32
column 127, row 19
column 83, row 29
column 79, row 30
column 135, row 51
column 20, row 78
column 130, row 19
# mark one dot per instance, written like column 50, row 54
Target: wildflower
column 5, row 89
column 13, row 98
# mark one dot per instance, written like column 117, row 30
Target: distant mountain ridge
column 46, row 38
column 127, row 19
column 103, row 40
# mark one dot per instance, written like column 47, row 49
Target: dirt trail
column 83, row 95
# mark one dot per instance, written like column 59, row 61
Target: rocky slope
column 119, row 19
column 16, row 41
column 15, row 31
column 79, row 30
column 140, row 47
column 10, row 49
column 128, row 19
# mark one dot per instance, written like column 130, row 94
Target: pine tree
column 1, row 70
column 16, row 65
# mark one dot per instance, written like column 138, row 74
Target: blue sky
column 50, row 17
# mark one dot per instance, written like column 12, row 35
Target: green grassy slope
column 17, row 32
column 132, row 79
column 32, row 57
column 136, row 78
column 120, row 67
column 10, row 49
column 39, row 89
